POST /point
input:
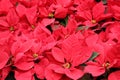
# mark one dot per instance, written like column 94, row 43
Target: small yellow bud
column 51, row 15
column 93, row 21
column 35, row 55
column 67, row 65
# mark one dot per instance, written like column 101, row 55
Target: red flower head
column 68, row 58
column 91, row 15
column 64, row 32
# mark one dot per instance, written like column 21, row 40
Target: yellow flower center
column 51, row 15
column 67, row 65
column 106, row 65
column 11, row 28
column 35, row 55
column 33, row 27
column 93, row 21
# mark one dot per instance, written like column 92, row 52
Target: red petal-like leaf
column 61, row 12
column 51, row 75
column 12, row 17
column 114, row 76
column 24, row 65
column 74, row 73
column 4, row 57
column 58, row 54
column 94, row 69
column 23, row 75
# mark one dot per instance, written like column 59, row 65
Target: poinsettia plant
column 59, row 40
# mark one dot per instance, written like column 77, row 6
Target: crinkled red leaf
column 61, row 12
column 47, row 21
column 57, row 68
column 51, row 75
column 3, row 7
column 71, row 25
column 24, row 65
column 97, row 13
column 4, row 57
column 40, row 68
column 4, row 72
column 65, row 3
column 58, row 54
column 94, row 69
column 74, row 73
column 21, row 10
column 12, row 17
column 31, row 14
column 114, row 75
column 23, row 75
column 26, row 46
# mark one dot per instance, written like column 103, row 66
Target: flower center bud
column 66, row 36
column 33, row 27
column 67, row 65
column 93, row 21
column 35, row 55
column 106, row 65
column 51, row 15
column 11, row 28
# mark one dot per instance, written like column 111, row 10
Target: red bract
column 62, row 8
column 114, row 75
column 21, row 10
column 10, row 21
column 61, row 12
column 5, row 8
column 44, row 12
column 20, row 75
column 12, row 17
column 63, row 33
column 46, row 22
column 103, row 62
column 5, row 45
column 28, row 56
column 114, row 8
column 41, row 32
column 113, row 55
column 66, row 3
column 97, row 68
column 39, row 68
column 28, row 3
column 59, row 39
column 113, row 31
column 4, row 59
column 50, row 74
column 31, row 14
column 92, row 15
column 66, row 58
column 4, row 73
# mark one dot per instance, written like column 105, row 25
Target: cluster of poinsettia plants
column 59, row 40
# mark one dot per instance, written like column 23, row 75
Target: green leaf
column 83, row 64
column 65, row 21
column 94, row 55
column 104, row 2
column 82, row 28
